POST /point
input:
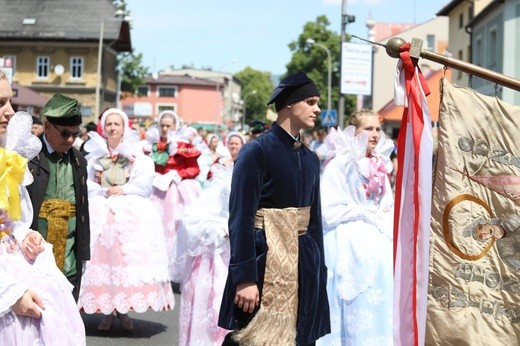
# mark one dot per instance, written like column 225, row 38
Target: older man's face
column 55, row 136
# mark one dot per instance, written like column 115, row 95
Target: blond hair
column 354, row 118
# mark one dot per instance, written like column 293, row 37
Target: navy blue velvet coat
column 270, row 173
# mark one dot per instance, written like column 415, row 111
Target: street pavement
column 150, row 328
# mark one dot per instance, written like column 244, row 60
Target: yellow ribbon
column 12, row 170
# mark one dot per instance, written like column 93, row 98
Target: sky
column 230, row 35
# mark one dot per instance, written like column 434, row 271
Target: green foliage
column 252, row 79
column 121, row 5
column 313, row 60
column 130, row 64
column 133, row 71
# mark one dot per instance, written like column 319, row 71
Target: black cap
column 257, row 126
column 91, row 126
column 36, row 120
column 292, row 89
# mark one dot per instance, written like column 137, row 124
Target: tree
column 133, row 71
column 314, row 61
column 130, row 64
column 251, row 80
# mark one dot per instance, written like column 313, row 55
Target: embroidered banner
column 474, row 287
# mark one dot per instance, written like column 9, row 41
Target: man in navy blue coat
column 276, row 288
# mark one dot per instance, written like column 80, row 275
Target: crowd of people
column 274, row 237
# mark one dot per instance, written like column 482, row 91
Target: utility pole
column 345, row 19
column 341, row 101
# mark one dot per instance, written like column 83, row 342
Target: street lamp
column 117, row 17
column 312, row 42
column 253, row 92
column 218, row 90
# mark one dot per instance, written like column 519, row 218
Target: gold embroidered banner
column 474, row 283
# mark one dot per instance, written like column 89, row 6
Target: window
column 478, row 51
column 461, row 20
column 76, row 67
column 430, row 41
column 492, row 51
column 8, row 61
column 86, row 111
column 470, row 12
column 8, row 65
column 42, row 67
column 142, row 90
column 167, row 91
column 165, row 107
column 460, row 57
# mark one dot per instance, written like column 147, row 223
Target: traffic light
column 348, row 18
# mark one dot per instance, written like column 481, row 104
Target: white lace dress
column 128, row 269
column 61, row 323
column 357, row 210
column 201, row 261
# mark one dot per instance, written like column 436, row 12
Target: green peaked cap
column 62, row 110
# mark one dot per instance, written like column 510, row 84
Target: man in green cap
column 59, row 192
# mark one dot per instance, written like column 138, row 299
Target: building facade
column 460, row 13
column 195, row 100
column 227, row 86
column 434, row 34
column 54, row 47
column 495, row 32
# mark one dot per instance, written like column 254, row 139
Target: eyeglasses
column 66, row 133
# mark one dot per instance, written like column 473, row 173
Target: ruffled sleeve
column 141, row 177
column 10, row 291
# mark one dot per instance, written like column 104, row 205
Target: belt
column 298, row 217
column 57, row 213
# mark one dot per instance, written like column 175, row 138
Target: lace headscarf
column 234, row 134
column 154, row 132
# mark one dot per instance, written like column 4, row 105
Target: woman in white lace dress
column 202, row 255
column 128, row 269
column 357, row 209
column 174, row 186
column 36, row 302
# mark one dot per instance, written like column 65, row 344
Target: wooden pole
column 393, row 45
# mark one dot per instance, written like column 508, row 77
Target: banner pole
column 393, row 46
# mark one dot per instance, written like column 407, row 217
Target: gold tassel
column 268, row 328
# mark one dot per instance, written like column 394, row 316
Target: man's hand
column 32, row 245
column 28, row 305
column 247, row 296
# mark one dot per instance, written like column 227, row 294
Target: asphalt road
column 150, row 328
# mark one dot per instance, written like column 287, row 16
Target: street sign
column 356, row 68
column 329, row 117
